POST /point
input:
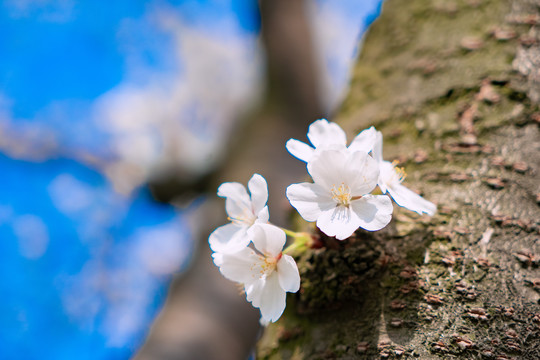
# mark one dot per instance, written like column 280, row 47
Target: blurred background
column 118, row 120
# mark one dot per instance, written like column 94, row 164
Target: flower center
column 342, row 194
column 268, row 264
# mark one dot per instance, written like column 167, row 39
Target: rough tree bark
column 454, row 87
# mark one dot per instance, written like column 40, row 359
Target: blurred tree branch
column 205, row 316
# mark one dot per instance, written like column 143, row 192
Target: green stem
column 301, row 240
column 292, row 233
column 291, row 248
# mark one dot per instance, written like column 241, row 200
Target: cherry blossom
column 243, row 211
column 390, row 179
column 267, row 273
column 329, row 135
column 338, row 199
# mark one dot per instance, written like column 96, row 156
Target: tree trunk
column 454, row 87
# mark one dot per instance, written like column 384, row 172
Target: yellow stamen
column 269, row 264
column 341, row 194
column 399, row 171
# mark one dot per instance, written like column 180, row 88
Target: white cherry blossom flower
column 338, row 199
column 329, row 135
column 243, row 211
column 267, row 273
column 390, row 179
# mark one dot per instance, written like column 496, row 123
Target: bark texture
column 454, row 87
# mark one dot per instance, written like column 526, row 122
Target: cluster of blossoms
column 250, row 250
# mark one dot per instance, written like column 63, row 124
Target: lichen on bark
column 439, row 79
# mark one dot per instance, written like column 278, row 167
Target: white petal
column 373, row 211
column 328, row 167
column 300, row 150
column 387, row 176
column 244, row 266
column 340, row 222
column 362, row 173
column 269, row 298
column 267, row 238
column 263, row 321
column 238, row 202
column 254, row 291
column 229, row 238
column 288, row 275
column 411, row 200
column 364, row 141
column 263, row 216
column 233, row 190
column 324, row 133
column 309, row 200
column 357, row 170
column 259, row 192
column 378, row 147
column 218, row 259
